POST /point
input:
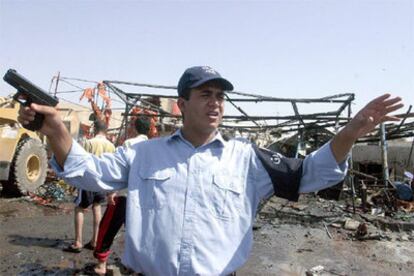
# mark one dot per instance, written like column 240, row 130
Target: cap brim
column 225, row 84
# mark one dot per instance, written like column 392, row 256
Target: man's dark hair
column 99, row 126
column 186, row 94
column 142, row 124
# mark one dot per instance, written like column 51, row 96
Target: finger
column 381, row 98
column 377, row 102
column 390, row 118
column 26, row 111
column 393, row 108
column 392, row 101
column 24, row 120
column 387, row 105
column 43, row 109
column 27, row 116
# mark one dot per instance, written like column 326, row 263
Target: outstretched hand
column 375, row 112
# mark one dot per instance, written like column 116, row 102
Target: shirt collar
column 100, row 136
column 142, row 136
column 217, row 139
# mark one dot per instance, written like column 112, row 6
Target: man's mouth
column 213, row 114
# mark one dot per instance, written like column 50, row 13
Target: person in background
column 193, row 196
column 97, row 145
column 142, row 126
column 114, row 215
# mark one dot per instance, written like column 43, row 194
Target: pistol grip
column 36, row 124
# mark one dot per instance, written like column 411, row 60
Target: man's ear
column 181, row 102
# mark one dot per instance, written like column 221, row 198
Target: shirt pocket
column 225, row 195
column 151, row 190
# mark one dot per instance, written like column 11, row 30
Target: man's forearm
column 342, row 143
column 60, row 143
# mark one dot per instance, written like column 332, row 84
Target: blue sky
column 292, row 49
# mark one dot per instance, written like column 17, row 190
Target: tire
column 29, row 167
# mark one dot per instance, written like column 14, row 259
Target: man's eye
column 220, row 97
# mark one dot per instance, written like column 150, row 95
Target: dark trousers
column 109, row 226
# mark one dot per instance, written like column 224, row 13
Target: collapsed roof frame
column 297, row 123
column 293, row 123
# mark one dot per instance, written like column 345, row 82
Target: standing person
column 114, row 215
column 192, row 196
column 97, row 145
column 142, row 127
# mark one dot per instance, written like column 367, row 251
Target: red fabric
column 103, row 228
column 102, row 257
column 88, row 93
column 175, row 109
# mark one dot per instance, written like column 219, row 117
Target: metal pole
column 408, row 162
column 126, row 121
column 299, row 146
column 384, row 155
column 351, row 166
column 57, row 83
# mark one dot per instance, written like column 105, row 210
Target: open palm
column 375, row 112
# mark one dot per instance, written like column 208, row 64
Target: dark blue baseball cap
column 195, row 76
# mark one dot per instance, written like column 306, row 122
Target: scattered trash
column 300, row 250
column 314, row 271
column 404, row 216
column 403, row 237
column 377, row 212
column 51, row 191
column 406, row 206
column 298, row 206
column 362, row 230
column 336, row 225
column 327, row 230
column 376, row 237
column 351, row 224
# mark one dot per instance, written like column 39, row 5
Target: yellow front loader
column 23, row 157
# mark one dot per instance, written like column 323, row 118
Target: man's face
column 203, row 111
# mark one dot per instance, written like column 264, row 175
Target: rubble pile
column 338, row 218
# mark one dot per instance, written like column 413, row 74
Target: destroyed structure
column 374, row 196
column 379, row 162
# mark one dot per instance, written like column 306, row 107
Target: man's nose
column 214, row 101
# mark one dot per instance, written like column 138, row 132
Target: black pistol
column 32, row 93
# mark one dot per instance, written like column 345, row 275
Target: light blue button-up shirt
column 190, row 210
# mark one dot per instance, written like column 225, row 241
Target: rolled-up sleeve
column 86, row 171
column 320, row 170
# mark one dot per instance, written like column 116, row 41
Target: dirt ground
column 290, row 239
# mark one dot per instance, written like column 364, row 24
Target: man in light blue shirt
column 193, row 196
